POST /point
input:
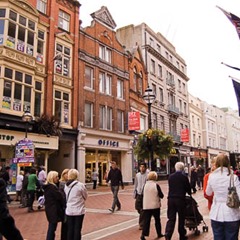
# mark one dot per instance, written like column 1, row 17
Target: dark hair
column 144, row 164
column 7, row 168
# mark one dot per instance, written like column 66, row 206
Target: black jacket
column 178, row 185
column 115, row 176
column 4, row 213
column 54, row 203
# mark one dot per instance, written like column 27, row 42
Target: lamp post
column 27, row 118
column 149, row 98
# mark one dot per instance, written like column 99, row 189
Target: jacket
column 115, row 176
column 54, row 203
column 218, row 182
column 152, row 195
column 76, row 198
column 4, row 213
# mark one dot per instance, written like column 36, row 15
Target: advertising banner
column 133, row 121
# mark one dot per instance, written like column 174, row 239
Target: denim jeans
column 51, row 231
column 116, row 202
column 225, row 230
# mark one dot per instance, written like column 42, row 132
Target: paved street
column 99, row 223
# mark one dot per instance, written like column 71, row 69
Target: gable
column 104, row 16
column 65, row 37
column 26, row 6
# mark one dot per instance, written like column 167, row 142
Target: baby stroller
column 193, row 218
column 41, row 202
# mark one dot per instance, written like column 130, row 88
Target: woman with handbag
column 54, row 204
column 76, row 195
column 224, row 219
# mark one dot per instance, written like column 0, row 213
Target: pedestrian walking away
column 152, row 195
column 179, row 186
column 140, row 180
column 115, row 176
column 76, row 195
column 200, row 175
column 225, row 221
column 94, row 178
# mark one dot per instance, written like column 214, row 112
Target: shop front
column 43, row 146
column 96, row 150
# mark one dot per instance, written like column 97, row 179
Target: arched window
column 140, row 83
column 135, row 76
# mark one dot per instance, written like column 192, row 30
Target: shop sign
column 6, row 137
column 108, row 143
column 133, row 121
column 24, row 152
column 185, row 135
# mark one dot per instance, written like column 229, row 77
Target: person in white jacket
column 225, row 221
column 152, row 195
column 76, row 195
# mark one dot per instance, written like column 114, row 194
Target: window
column 140, row 83
column 159, row 71
column 120, row 89
column 105, row 118
column 105, row 83
column 21, row 33
column 20, row 90
column 120, row 122
column 179, row 85
column 185, row 108
column 40, row 46
column 105, row 54
column 64, row 21
column 152, row 66
column 89, row 78
column 154, row 89
column 2, row 23
column 42, row 6
column 135, row 77
column 180, row 106
column 142, row 122
column 62, row 60
column 158, row 48
column 154, row 120
column 161, row 97
column 88, row 115
column 184, row 88
column 151, row 42
column 162, row 122
column 62, row 106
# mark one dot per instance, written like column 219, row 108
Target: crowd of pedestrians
column 65, row 196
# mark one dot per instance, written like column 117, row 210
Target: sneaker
column 111, row 210
column 118, row 209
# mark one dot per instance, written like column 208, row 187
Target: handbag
column 232, row 198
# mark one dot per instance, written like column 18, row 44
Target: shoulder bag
column 232, row 198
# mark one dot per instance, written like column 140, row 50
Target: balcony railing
column 173, row 109
column 176, row 137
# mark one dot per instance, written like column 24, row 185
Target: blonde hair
column 222, row 160
column 50, row 177
column 152, row 176
column 63, row 175
column 73, row 174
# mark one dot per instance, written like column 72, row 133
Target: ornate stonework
column 24, row 5
column 62, row 80
column 104, row 16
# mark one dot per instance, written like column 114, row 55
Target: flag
column 233, row 19
column 236, row 86
column 230, row 66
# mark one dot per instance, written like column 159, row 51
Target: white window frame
column 91, row 77
column 105, row 83
column 42, row 6
column 120, row 122
column 105, row 53
column 105, row 118
column 120, row 89
column 64, row 20
column 88, row 118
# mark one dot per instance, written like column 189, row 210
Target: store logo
column 6, row 137
column 108, row 143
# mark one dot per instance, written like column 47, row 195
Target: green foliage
column 153, row 140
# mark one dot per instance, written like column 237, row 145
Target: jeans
column 225, row 230
column 74, row 224
column 116, row 202
column 51, row 231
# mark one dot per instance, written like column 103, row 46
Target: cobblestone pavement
column 99, row 223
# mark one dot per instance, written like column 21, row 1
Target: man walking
column 140, row 180
column 115, row 176
column 178, row 187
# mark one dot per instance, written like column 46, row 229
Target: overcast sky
column 202, row 35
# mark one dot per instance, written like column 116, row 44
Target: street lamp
column 27, row 118
column 149, row 97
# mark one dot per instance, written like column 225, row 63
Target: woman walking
column 54, row 204
column 224, row 220
column 76, row 194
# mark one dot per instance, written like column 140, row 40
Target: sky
column 201, row 34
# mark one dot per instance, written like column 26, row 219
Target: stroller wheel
column 205, row 228
column 197, row 232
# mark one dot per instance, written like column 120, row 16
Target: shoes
column 30, row 210
column 118, row 209
column 161, row 235
column 142, row 238
column 111, row 210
